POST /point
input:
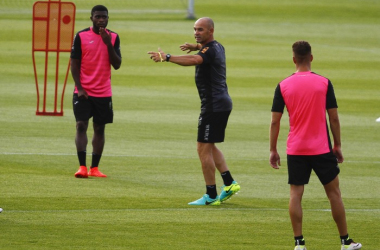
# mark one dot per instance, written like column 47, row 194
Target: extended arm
column 187, row 60
column 184, row 60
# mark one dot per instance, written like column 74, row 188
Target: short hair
column 99, row 8
column 301, row 50
column 209, row 22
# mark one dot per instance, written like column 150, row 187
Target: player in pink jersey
column 94, row 50
column 307, row 96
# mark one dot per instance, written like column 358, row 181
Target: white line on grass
column 161, row 156
column 184, row 209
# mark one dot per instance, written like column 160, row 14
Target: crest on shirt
column 204, row 50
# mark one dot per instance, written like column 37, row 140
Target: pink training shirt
column 95, row 74
column 304, row 94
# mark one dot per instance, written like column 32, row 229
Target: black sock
column 95, row 160
column 346, row 240
column 227, row 178
column 82, row 158
column 299, row 240
column 211, row 191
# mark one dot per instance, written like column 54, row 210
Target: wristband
column 161, row 56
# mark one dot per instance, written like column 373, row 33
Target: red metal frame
column 56, row 48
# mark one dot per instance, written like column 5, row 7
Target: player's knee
column 99, row 130
column 82, row 127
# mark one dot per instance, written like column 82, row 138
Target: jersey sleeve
column 330, row 97
column 76, row 49
column 208, row 54
column 278, row 101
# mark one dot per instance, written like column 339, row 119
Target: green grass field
column 150, row 153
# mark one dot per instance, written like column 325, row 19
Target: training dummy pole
column 53, row 34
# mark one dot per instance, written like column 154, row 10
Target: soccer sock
column 299, row 240
column 227, row 178
column 211, row 191
column 346, row 240
column 95, row 160
column 82, row 158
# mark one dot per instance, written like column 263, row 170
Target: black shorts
column 212, row 126
column 325, row 167
column 100, row 108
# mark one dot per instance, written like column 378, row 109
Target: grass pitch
column 150, row 153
